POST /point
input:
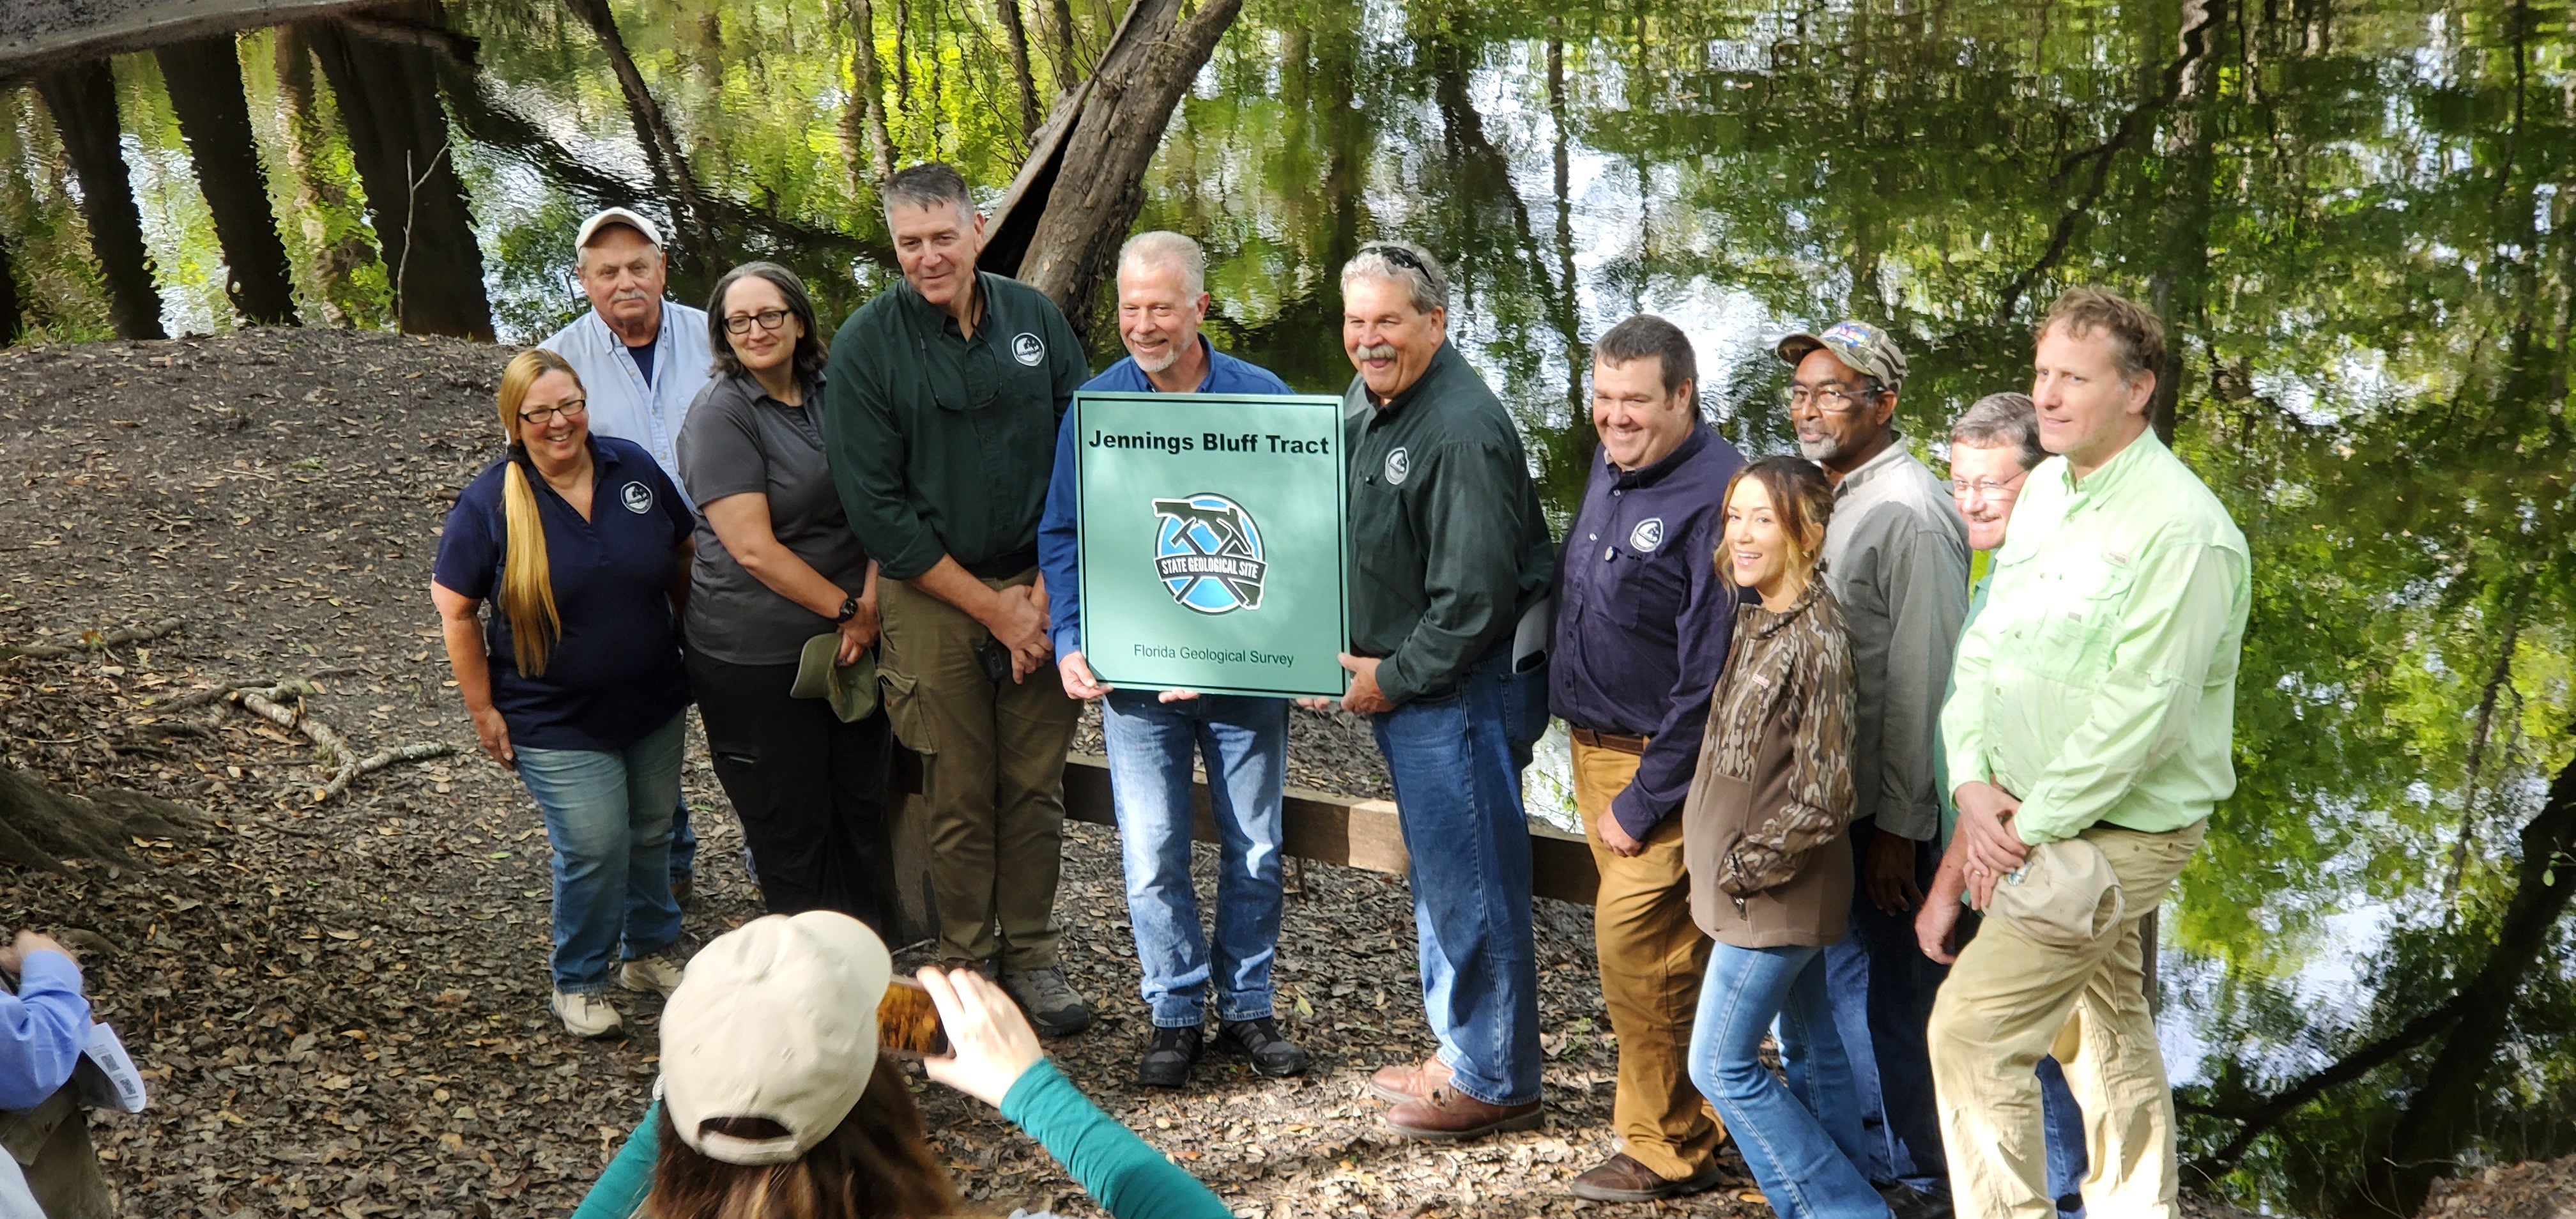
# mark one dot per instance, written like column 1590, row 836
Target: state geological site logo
column 1207, row 552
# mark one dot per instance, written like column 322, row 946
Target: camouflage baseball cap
column 1863, row 348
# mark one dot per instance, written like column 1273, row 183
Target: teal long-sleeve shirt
column 1129, row 1179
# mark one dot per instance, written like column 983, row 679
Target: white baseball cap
column 615, row 215
column 776, row 1019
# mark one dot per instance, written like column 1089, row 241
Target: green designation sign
column 1212, row 541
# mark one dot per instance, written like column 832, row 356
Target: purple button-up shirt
column 1643, row 615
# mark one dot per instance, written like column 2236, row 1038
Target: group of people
column 1807, row 751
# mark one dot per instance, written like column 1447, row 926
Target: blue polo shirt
column 1644, row 617
column 1059, row 552
column 615, row 674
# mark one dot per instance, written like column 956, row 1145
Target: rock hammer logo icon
column 1207, row 552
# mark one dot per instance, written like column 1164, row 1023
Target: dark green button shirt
column 1448, row 546
column 940, row 443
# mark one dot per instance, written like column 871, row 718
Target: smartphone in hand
column 908, row 1022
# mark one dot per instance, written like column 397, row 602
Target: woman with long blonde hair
column 574, row 678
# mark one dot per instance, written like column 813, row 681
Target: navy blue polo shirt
column 615, row 674
column 1059, row 534
column 1644, row 617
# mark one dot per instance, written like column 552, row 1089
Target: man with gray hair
column 1450, row 564
column 642, row 360
column 1153, row 738
column 941, row 399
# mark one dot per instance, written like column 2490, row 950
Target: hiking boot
column 1908, row 1202
column 1049, row 1001
column 658, row 973
column 1260, row 1040
column 1449, row 1115
column 587, row 1014
column 1409, row 1081
column 1169, row 1055
column 1621, row 1179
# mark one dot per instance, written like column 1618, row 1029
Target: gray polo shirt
column 1897, row 554
column 736, row 440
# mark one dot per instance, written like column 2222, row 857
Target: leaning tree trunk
column 82, row 99
column 204, row 79
column 40, row 827
column 1110, row 129
column 388, row 95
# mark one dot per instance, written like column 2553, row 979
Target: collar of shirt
column 925, row 313
column 2107, row 481
column 1649, row 475
column 596, row 332
column 1442, row 360
column 1888, row 458
column 1767, row 621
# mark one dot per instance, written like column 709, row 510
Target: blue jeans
column 1151, row 746
column 1802, row 1141
column 608, row 815
column 1880, row 979
column 684, row 843
column 2065, row 1123
column 1456, row 762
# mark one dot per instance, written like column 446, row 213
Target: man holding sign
column 1451, row 562
column 1152, row 736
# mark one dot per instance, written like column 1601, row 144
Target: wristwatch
column 849, row 610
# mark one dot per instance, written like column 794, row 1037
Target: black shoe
column 1907, row 1202
column 1169, row 1055
column 1260, row 1040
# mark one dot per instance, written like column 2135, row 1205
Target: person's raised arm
column 45, row 1026
column 995, row 1058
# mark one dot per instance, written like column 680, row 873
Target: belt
column 1610, row 740
column 1004, row 566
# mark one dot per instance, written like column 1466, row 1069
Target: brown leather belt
column 1610, row 740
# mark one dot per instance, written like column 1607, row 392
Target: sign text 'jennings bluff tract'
column 1213, row 542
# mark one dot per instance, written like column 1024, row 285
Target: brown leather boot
column 1622, row 1179
column 1448, row 1115
column 1409, row 1081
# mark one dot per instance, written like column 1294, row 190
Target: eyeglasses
column 1989, row 488
column 544, row 415
column 1829, row 398
column 769, row 319
column 1398, row 255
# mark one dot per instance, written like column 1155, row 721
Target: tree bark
column 205, row 85
column 12, row 317
column 1112, row 139
column 1067, row 68
column 2176, row 290
column 82, row 100
column 388, row 99
column 698, row 254
column 1018, row 37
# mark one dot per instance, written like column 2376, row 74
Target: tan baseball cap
column 1862, row 348
column 775, row 1019
column 615, row 215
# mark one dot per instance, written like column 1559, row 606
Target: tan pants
column 2011, row 1000
column 992, row 777
column 1652, row 957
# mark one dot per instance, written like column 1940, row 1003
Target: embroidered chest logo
column 637, row 497
column 1207, row 552
column 1398, row 464
column 1648, row 535
column 1028, row 349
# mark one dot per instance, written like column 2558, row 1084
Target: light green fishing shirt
column 2098, row 682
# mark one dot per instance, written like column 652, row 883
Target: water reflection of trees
column 2356, row 219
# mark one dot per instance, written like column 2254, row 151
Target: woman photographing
column 1773, row 787
column 776, row 567
column 574, row 681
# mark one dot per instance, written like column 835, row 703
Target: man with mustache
column 1450, row 565
column 1898, row 558
column 942, row 401
column 642, row 360
column 1153, row 738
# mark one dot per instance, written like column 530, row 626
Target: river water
column 2355, row 217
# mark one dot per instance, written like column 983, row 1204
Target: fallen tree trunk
column 1106, row 134
column 268, row 703
column 40, row 827
column 93, row 641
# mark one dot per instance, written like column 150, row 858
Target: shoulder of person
column 2193, row 512
column 722, row 393
column 623, row 451
column 1270, row 382
column 562, row 341
column 1113, row 378
column 694, row 316
column 484, row 489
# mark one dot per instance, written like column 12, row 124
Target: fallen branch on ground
column 268, row 703
column 93, row 641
